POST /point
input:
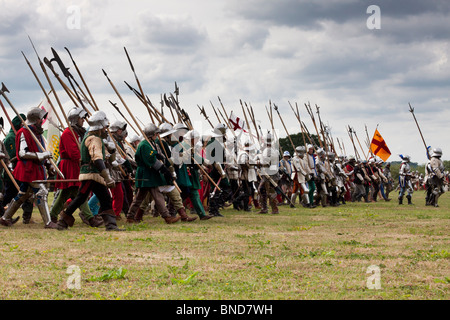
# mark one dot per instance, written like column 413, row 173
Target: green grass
column 299, row 254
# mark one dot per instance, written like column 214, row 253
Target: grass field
column 299, row 254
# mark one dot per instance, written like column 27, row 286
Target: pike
column 120, row 112
column 215, row 112
column 46, row 76
column 284, row 126
column 52, row 89
column 82, row 79
column 297, row 115
column 186, row 118
column 252, row 117
column 38, row 143
column 170, row 109
column 138, row 83
column 411, row 109
column 67, row 74
column 7, row 117
column 349, row 131
column 78, row 180
column 142, row 99
column 309, row 110
column 246, row 120
column 203, row 112
column 134, row 119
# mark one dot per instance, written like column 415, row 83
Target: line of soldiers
column 172, row 168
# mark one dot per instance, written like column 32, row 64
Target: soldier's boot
column 65, row 221
column 171, row 219
column 263, row 203
column 256, row 203
column 138, row 217
column 91, row 221
column 293, row 198
column 409, row 200
column 7, row 219
column 109, row 218
column 323, row 200
column 400, row 200
column 184, row 217
column 274, row 206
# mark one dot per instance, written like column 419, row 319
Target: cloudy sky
column 297, row 51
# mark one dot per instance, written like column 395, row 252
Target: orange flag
column 379, row 147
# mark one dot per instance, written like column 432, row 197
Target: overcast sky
column 297, row 51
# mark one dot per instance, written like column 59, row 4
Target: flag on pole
column 51, row 131
column 237, row 123
column 379, row 147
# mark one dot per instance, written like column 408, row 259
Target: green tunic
column 146, row 176
column 183, row 178
column 87, row 166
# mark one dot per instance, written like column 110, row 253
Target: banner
column 379, row 147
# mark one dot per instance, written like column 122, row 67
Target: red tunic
column 69, row 159
column 28, row 170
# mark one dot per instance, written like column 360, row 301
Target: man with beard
column 32, row 164
column 69, row 165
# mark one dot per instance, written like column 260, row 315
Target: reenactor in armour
column 324, row 176
column 286, row 169
column 10, row 190
column 311, row 180
column 435, row 178
column 404, row 177
column 340, row 177
column 268, row 169
column 32, row 164
column 300, row 176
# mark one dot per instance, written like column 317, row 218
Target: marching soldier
column 311, row 160
column 435, row 178
column 215, row 156
column 324, row 176
column 32, row 165
column 69, row 165
column 405, row 180
column 152, row 175
column 301, row 173
column 270, row 176
column 286, row 173
column 94, row 175
column 10, row 190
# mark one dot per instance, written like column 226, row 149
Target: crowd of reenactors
column 179, row 174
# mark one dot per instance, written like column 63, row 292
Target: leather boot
column 400, row 200
column 184, row 216
column 110, row 221
column 274, row 205
column 409, row 200
column 65, row 221
column 171, row 219
column 138, row 217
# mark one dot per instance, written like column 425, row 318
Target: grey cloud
column 173, row 34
